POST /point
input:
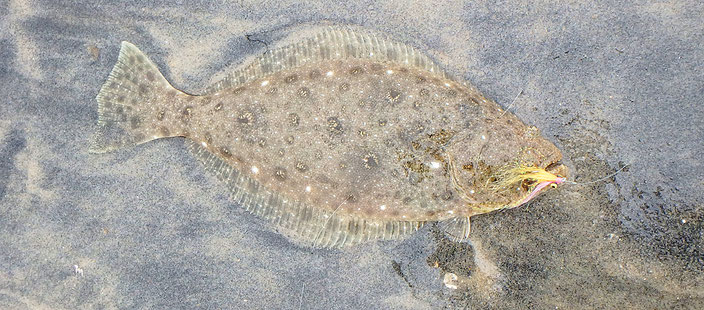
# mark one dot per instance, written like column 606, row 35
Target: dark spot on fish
column 300, row 166
column 272, row 90
column 424, row 92
column 150, row 76
column 370, row 160
column 314, row 74
column 334, row 125
column 344, row 87
column 441, row 137
column 120, row 98
column 293, row 119
column 238, row 90
column 420, row 79
column 393, row 96
column 356, row 70
column 218, row 107
column 246, row 118
column 528, row 184
column 208, row 138
column 135, row 121
column 382, row 122
column 447, row 195
column 187, row 112
column 225, row 151
column 280, row 174
column 131, row 60
column 291, row 78
column 352, row 198
column 140, row 58
column 362, row 132
column 289, row 139
column 261, row 142
column 303, row 92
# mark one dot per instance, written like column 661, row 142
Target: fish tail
column 130, row 102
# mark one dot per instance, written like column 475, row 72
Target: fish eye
column 553, row 185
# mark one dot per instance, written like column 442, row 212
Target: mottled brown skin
column 364, row 138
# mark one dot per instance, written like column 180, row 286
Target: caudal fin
column 128, row 102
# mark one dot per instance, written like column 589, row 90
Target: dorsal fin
column 303, row 224
column 331, row 43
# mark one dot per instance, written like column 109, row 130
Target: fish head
column 492, row 173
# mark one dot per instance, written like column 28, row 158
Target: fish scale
column 342, row 138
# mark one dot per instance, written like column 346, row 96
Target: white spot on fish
column 382, row 207
column 308, row 189
column 434, row 165
column 329, row 73
column 265, row 83
column 255, row 170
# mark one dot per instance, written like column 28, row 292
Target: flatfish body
column 341, row 138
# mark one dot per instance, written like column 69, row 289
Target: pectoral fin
column 456, row 229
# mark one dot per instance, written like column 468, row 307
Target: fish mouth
column 559, row 171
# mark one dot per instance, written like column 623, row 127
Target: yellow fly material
column 520, row 173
